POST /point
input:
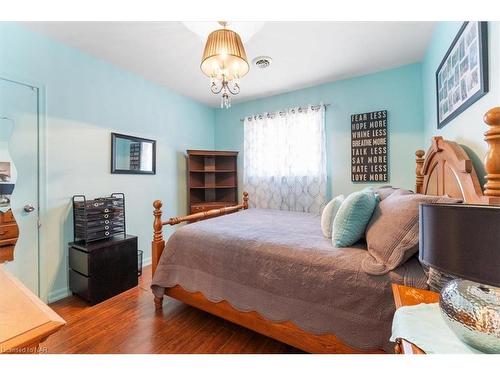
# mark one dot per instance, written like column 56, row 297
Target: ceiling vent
column 262, row 62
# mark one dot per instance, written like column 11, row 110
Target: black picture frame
column 114, row 170
column 482, row 66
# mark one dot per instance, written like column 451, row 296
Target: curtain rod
column 300, row 109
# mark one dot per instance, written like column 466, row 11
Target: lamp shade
column 462, row 240
column 224, row 54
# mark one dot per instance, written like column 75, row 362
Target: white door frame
column 43, row 284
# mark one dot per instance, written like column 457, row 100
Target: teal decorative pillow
column 352, row 217
column 329, row 213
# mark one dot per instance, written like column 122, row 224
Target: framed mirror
column 132, row 155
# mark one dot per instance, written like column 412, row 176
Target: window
column 285, row 159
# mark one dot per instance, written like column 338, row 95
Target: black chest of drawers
column 102, row 269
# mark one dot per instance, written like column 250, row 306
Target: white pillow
column 329, row 213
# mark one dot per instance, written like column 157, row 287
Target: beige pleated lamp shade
column 224, row 54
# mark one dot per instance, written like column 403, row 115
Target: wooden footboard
column 158, row 242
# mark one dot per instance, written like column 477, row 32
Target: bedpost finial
column 157, row 244
column 157, row 224
column 157, row 204
column 492, row 117
column 492, row 158
column 418, row 170
column 245, row 200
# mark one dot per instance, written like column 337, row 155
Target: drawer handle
column 106, row 216
column 106, row 221
column 106, row 227
column 106, row 233
column 106, row 210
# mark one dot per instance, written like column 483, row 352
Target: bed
column 297, row 277
column 247, row 268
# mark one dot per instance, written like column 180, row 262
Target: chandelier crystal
column 224, row 61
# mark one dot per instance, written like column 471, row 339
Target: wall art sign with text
column 462, row 76
column 369, row 149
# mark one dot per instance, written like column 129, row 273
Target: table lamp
column 464, row 241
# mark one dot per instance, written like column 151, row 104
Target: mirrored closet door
column 19, row 181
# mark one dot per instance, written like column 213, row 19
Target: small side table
column 408, row 296
column 102, row 269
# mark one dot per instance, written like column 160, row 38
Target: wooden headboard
column 447, row 169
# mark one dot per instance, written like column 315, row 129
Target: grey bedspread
column 279, row 264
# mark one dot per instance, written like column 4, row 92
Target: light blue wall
column 86, row 99
column 397, row 90
column 468, row 128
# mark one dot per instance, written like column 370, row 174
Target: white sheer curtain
column 285, row 160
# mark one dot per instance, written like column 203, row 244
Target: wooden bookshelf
column 212, row 179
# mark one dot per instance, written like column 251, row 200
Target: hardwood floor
column 128, row 323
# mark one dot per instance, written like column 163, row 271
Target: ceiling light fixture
column 224, row 61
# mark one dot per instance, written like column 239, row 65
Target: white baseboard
column 147, row 262
column 58, row 294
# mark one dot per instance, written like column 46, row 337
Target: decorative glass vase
column 472, row 311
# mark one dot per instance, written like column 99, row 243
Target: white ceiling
column 304, row 53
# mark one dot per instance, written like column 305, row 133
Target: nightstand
column 408, row 296
column 102, row 269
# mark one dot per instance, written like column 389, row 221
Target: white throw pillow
column 328, row 215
